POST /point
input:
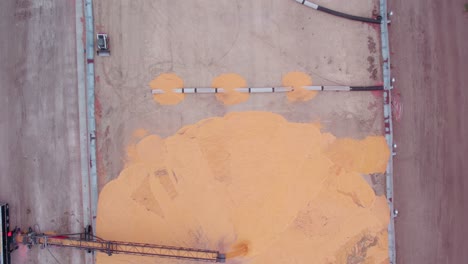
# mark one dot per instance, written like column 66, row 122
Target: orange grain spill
column 229, row 82
column 140, row 133
column 167, row 82
column 252, row 185
column 132, row 154
column 238, row 250
column 297, row 80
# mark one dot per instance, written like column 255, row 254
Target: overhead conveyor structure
column 5, row 234
column 10, row 239
column 90, row 243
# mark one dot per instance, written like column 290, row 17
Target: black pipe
column 378, row 20
column 366, row 88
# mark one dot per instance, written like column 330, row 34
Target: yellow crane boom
column 91, row 243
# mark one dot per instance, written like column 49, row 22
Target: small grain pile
column 297, row 80
column 167, row 82
column 229, row 82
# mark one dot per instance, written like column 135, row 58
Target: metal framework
column 4, row 234
column 91, row 243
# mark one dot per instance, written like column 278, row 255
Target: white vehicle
column 102, row 45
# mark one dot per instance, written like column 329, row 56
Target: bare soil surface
column 259, row 40
column 430, row 62
column 39, row 148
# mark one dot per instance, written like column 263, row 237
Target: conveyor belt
column 84, row 241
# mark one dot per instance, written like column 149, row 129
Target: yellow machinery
column 91, row 243
column 87, row 241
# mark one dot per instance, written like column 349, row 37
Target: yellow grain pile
column 253, row 185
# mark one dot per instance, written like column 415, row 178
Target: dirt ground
column 39, row 158
column 428, row 42
column 259, row 40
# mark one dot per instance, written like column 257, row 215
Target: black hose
column 357, row 18
column 366, row 88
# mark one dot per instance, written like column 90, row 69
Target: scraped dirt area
column 205, row 43
column 251, row 181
